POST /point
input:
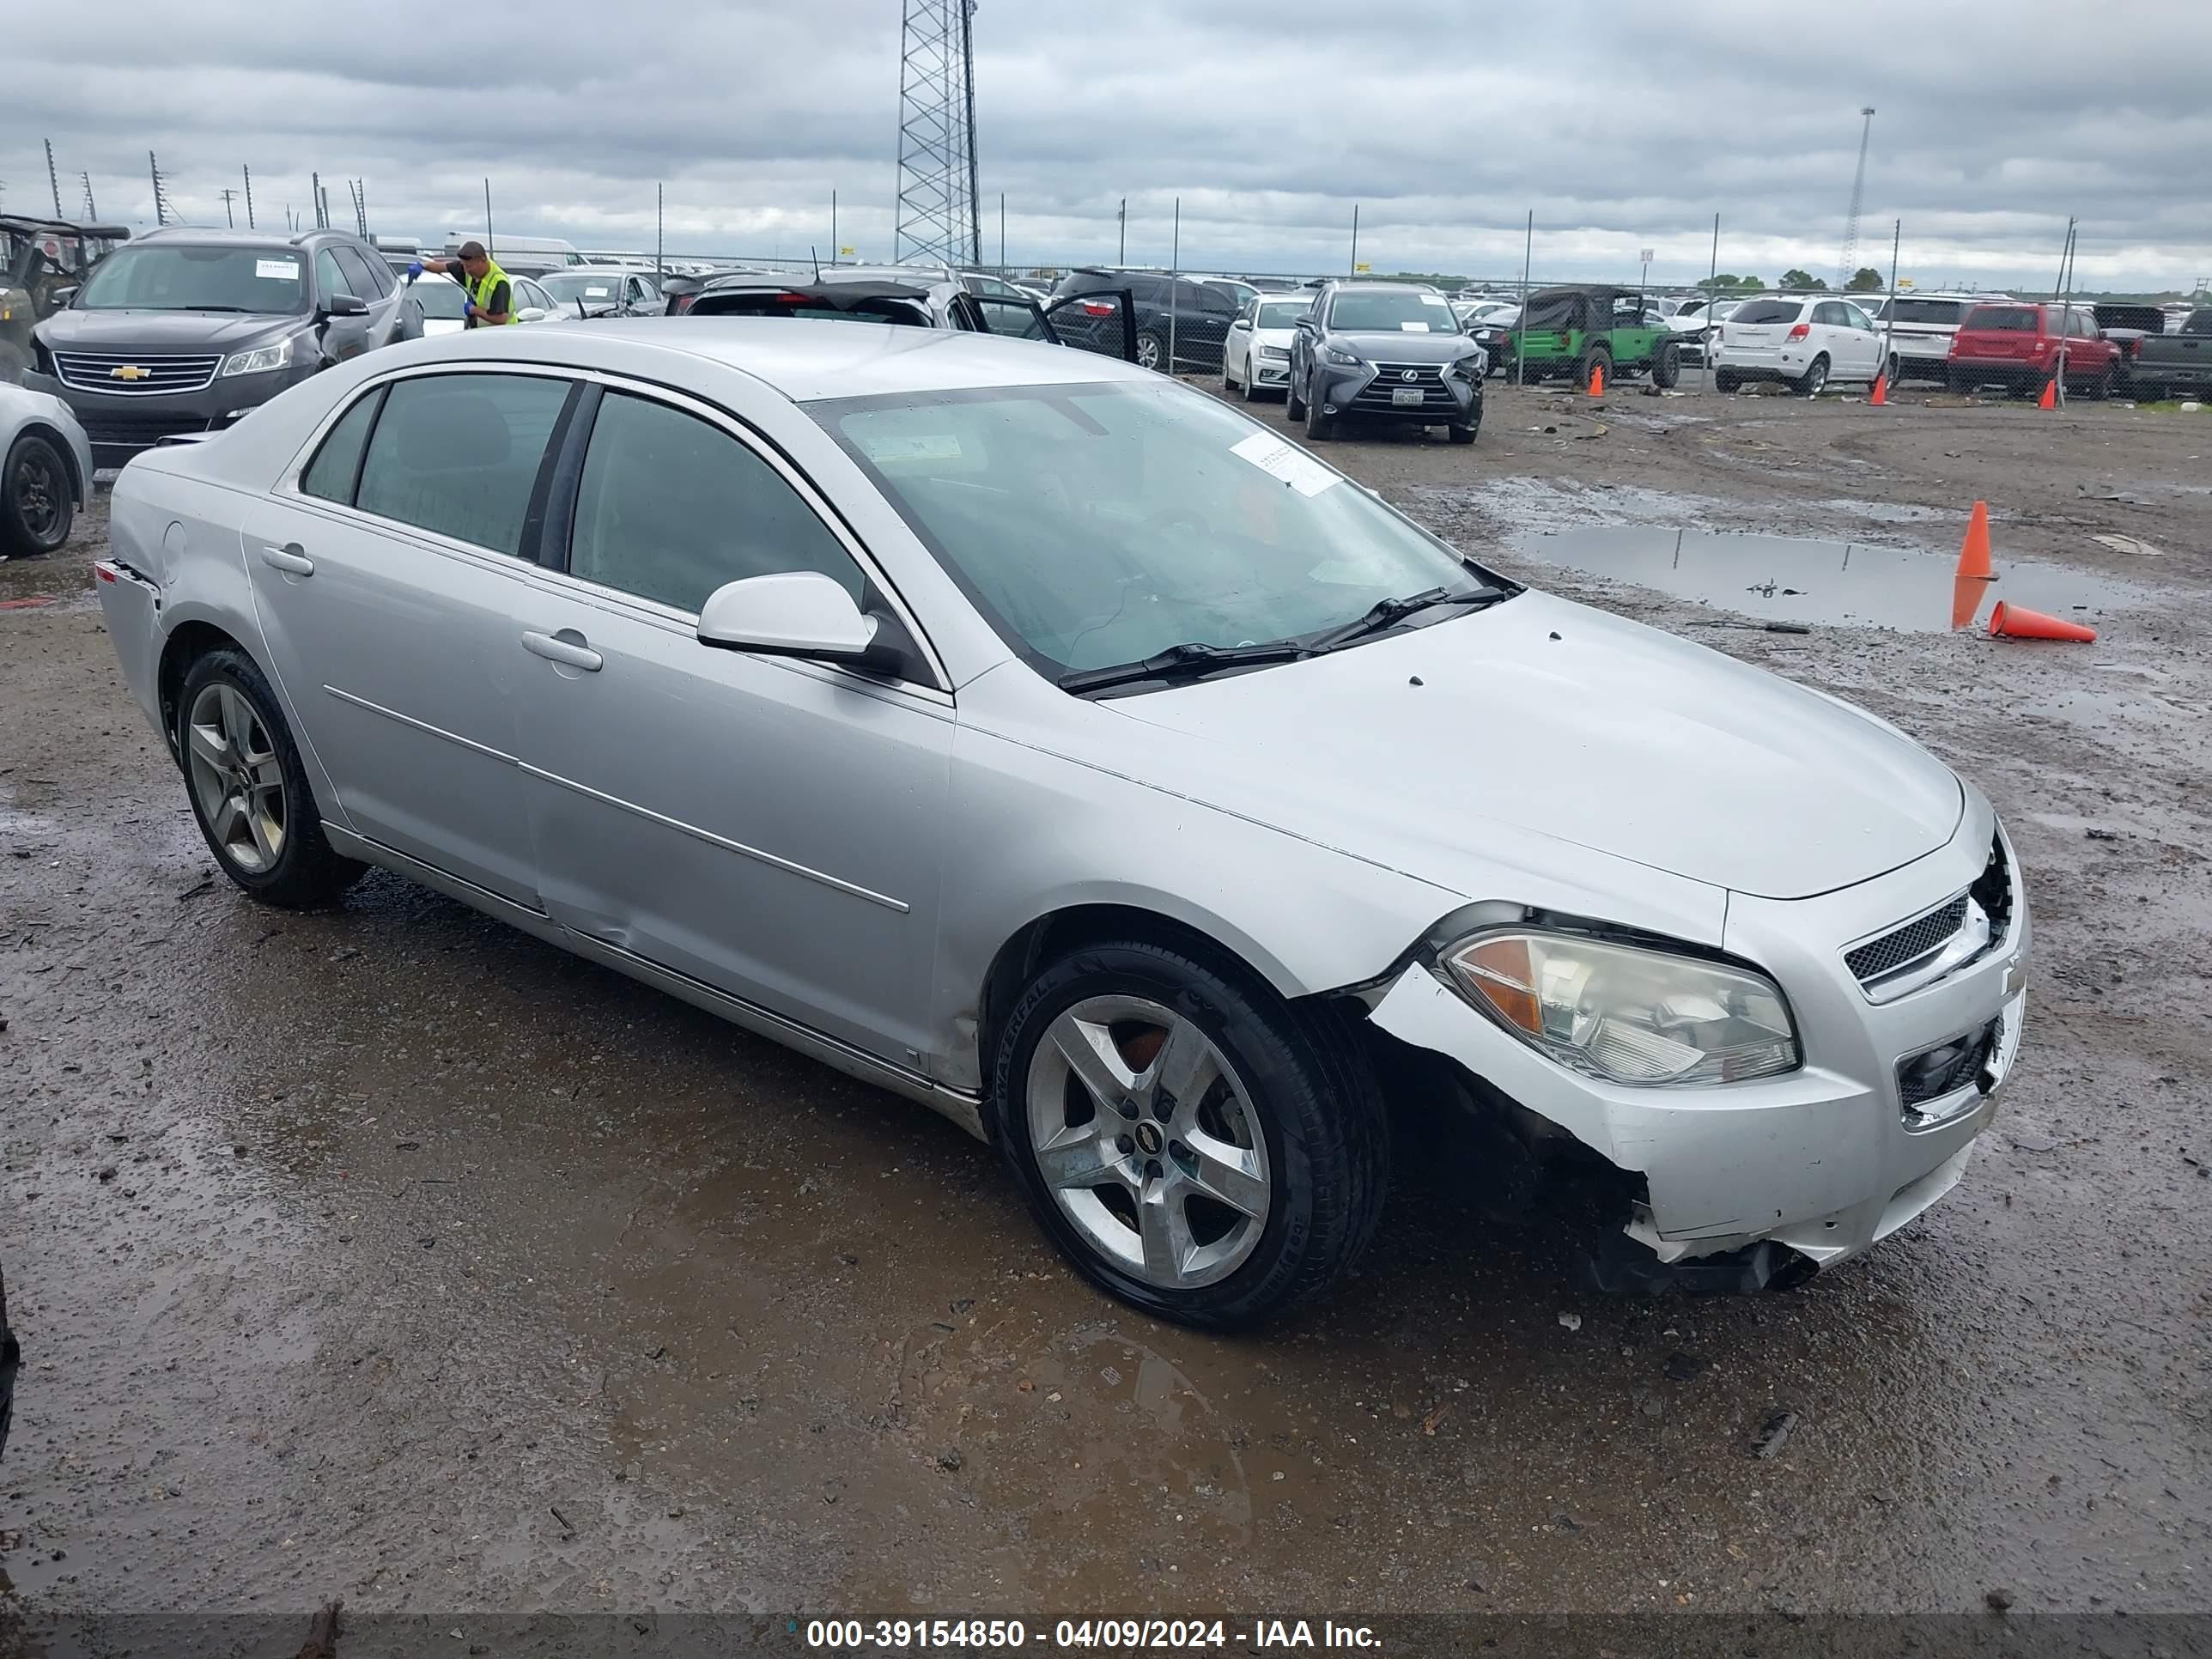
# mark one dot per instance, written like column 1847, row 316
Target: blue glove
column 468, row 308
column 415, row 269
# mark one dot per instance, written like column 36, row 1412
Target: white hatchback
column 1803, row 339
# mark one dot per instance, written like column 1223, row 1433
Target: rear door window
column 672, row 506
column 459, row 454
column 1830, row 314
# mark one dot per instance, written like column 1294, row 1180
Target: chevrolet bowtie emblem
column 128, row 372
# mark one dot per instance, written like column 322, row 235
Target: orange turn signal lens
column 1500, row 971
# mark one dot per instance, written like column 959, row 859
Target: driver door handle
column 555, row 649
column 290, row 558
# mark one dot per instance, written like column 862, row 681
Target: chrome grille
column 1390, row 378
column 95, row 371
column 1914, row 940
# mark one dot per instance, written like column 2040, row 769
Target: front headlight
column 1343, row 359
column 1627, row 1015
column 262, row 360
column 1274, row 352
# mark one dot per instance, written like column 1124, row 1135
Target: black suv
column 1195, row 316
column 187, row 330
column 1388, row 351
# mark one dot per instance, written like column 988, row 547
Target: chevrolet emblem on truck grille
column 128, row 372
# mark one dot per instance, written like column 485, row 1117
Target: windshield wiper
column 1389, row 613
column 1187, row 661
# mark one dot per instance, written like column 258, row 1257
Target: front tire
column 1461, row 434
column 248, row 789
column 1320, row 428
column 1726, row 380
column 38, row 502
column 1667, row 365
column 1294, row 407
column 1194, row 1145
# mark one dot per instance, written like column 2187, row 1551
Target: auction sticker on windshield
column 278, row 270
column 1273, row 456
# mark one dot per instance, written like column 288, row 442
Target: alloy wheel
column 37, row 492
column 1148, row 1141
column 236, row 778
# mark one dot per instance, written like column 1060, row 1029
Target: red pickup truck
column 2015, row 345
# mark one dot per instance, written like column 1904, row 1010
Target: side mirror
column 60, row 297
column 793, row 613
column 530, row 315
column 1242, row 322
column 1307, row 325
column 345, row 305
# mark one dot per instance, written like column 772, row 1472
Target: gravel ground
column 388, row 1253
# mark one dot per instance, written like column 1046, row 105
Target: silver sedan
column 1046, row 741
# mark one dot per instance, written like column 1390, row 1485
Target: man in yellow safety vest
column 491, row 296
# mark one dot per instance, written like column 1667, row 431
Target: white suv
column 1806, row 340
column 1920, row 327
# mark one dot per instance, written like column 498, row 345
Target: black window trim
column 287, row 487
column 567, row 480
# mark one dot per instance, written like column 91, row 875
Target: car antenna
column 816, row 258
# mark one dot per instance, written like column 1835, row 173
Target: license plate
column 1407, row 396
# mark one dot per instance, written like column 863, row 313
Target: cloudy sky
column 1445, row 120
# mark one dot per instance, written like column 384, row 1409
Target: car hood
column 1275, row 337
column 1439, row 346
column 161, row 330
column 1554, row 721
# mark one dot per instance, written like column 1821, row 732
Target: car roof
column 223, row 235
column 807, row 361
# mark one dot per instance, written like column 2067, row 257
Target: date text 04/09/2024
column 1107, row 1634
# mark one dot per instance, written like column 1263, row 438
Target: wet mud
column 388, row 1253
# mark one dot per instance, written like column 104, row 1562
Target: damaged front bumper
column 1745, row 1184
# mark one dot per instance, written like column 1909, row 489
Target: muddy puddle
column 1808, row 581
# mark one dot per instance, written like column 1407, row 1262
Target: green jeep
column 1572, row 330
column 41, row 262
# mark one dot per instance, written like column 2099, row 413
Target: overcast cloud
column 1445, row 120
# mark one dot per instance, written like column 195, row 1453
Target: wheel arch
column 1053, row 932
column 186, row 643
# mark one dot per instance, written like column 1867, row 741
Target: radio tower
column 938, row 216
column 1847, row 268
column 162, row 209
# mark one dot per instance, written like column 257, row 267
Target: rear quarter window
column 2001, row 320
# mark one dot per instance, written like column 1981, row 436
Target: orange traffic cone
column 2050, row 397
column 2010, row 622
column 1974, row 555
column 1967, row 593
column 1597, row 380
column 1880, row 395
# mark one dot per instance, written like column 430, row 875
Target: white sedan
column 1255, row 356
column 442, row 302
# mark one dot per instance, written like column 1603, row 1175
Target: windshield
column 593, row 288
column 1389, row 312
column 440, row 300
column 1099, row 524
column 273, row 280
column 1283, row 313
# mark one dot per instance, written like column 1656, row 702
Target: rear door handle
column 290, row 559
column 572, row 653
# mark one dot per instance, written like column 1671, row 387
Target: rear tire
column 248, row 789
column 1151, row 352
column 1284, row 1097
column 1814, row 377
column 1597, row 357
column 38, row 499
